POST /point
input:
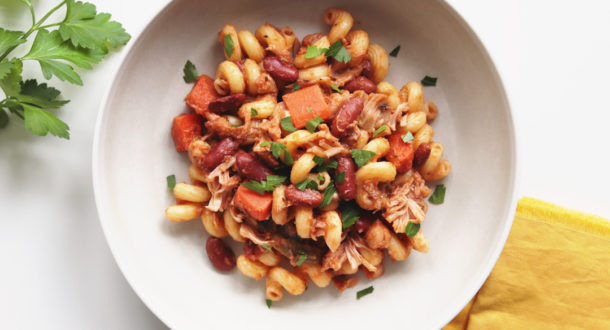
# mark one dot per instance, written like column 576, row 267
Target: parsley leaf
column 438, row 196
column 301, row 185
column 364, row 292
column 407, row 137
column 276, row 151
column 296, row 87
column 328, row 194
column 320, row 178
column 260, row 187
column 171, row 182
column 379, row 130
column 318, row 160
column 253, row 112
column 269, row 302
column 265, row 143
column 335, row 88
column 313, row 185
column 395, row 51
column 313, row 124
column 84, row 27
column 190, row 72
column 10, row 82
column 267, row 247
column 40, row 122
column 313, row 51
column 429, row 81
column 411, row 229
column 362, row 157
column 39, row 94
column 322, row 166
column 287, row 125
column 228, row 45
column 301, row 259
column 5, row 68
column 9, row 39
column 349, row 215
column 340, row 177
column 3, row 119
column 338, row 51
column 288, row 160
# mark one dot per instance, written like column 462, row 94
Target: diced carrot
column 202, row 94
column 305, row 104
column 185, row 128
column 401, row 153
column 258, row 206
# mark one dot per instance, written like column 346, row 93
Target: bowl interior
column 166, row 263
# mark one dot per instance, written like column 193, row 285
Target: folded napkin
column 554, row 273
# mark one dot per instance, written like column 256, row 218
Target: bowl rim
column 466, row 296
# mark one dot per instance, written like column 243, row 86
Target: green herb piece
column 301, row 259
column 313, row 124
column 228, row 45
column 313, row 51
column 267, row 247
column 260, row 187
column 296, row 87
column 379, row 130
column 407, row 137
column 364, row 292
column 287, row 125
column 349, row 215
column 10, row 39
column 319, row 160
column 265, row 143
column 308, row 110
column 311, row 184
column 288, row 160
column 322, row 166
column 362, row 157
column 320, row 178
column 253, row 112
column 171, row 182
column 340, row 177
column 438, row 196
column 39, row 94
column 332, row 164
column 429, row 81
column 3, row 119
column 411, row 229
column 269, row 303
column 395, row 51
column 335, row 88
column 338, row 51
column 328, row 194
column 276, row 151
column 302, row 185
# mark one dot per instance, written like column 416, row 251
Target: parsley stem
column 48, row 26
column 32, row 12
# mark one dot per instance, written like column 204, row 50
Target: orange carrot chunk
column 256, row 205
column 202, row 94
column 305, row 104
column 401, row 153
column 185, row 128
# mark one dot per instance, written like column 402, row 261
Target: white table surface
column 57, row 271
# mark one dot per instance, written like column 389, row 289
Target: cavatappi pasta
column 301, row 150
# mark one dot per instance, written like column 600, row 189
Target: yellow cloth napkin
column 554, row 273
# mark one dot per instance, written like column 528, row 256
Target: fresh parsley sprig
column 83, row 38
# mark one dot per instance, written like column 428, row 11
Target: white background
column 57, row 271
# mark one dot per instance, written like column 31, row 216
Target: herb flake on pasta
column 171, row 182
column 313, row 124
column 364, row 292
column 328, row 194
column 362, row 157
column 228, row 45
column 438, row 196
column 287, row 125
column 261, row 187
column 301, row 259
column 411, row 229
column 379, row 130
column 407, row 137
column 349, row 215
column 253, row 112
column 269, row 302
column 338, row 52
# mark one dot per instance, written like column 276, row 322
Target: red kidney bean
column 250, row 167
column 220, row 255
column 360, row 83
column 308, row 197
column 362, row 225
column 227, row 103
column 347, row 113
column 367, row 69
column 421, row 154
column 226, row 147
column 279, row 70
column 347, row 188
column 310, row 39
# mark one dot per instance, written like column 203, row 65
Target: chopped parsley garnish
column 190, row 72
column 313, row 51
column 328, row 194
column 301, row 259
column 429, row 81
column 340, row 177
column 349, row 215
column 267, row 247
column 407, row 137
column 379, row 130
column 313, row 124
column 287, row 125
column 260, row 187
column 411, row 229
column 265, row 143
column 228, row 45
column 320, row 178
column 254, row 112
column 335, row 88
column 322, row 166
column 395, row 51
column 438, row 196
column 296, row 87
column 308, row 110
column 276, row 151
column 362, row 157
column 338, row 51
column 307, row 184
column 364, row 292
column 171, row 182
column 269, row 302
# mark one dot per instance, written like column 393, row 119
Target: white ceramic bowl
column 166, row 263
